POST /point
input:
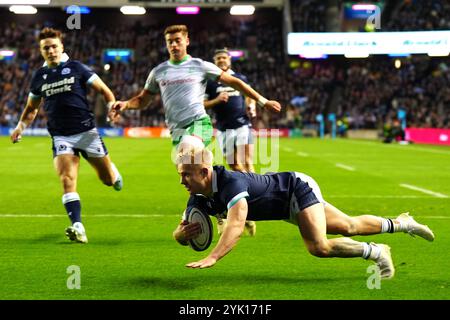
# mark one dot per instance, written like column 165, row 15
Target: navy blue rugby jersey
column 64, row 89
column 268, row 196
column 231, row 114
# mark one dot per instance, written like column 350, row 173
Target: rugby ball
column 203, row 240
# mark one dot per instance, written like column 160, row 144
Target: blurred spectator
column 393, row 131
column 415, row 15
column 308, row 15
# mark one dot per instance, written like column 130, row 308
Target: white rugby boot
column 118, row 185
column 77, row 233
column 414, row 228
column 384, row 261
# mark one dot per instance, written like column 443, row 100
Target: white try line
column 399, row 147
column 301, row 154
column 434, row 194
column 345, row 167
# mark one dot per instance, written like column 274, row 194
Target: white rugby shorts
column 231, row 138
column 88, row 143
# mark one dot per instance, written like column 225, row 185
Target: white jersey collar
column 185, row 59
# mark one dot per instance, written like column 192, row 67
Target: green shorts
column 201, row 128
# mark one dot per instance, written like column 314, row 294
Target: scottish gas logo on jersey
column 58, row 87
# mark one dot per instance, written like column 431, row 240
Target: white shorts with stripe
column 231, row 138
column 88, row 143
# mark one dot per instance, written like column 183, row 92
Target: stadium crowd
column 363, row 93
column 412, row 15
column 308, row 16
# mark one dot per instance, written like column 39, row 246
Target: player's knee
column 320, row 249
column 345, row 227
column 67, row 180
column 352, row 228
column 349, row 228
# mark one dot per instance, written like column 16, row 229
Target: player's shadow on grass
column 304, row 278
column 163, row 283
column 198, row 281
column 48, row 237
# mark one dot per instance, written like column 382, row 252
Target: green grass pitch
column 131, row 253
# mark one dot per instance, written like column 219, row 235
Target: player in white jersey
column 181, row 81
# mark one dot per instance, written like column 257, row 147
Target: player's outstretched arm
column 27, row 117
column 248, row 91
column 236, row 217
column 140, row 101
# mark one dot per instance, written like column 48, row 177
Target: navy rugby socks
column 72, row 204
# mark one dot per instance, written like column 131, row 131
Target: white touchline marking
column 287, row 149
column 434, row 194
column 302, row 154
column 345, row 167
column 378, row 196
column 399, row 147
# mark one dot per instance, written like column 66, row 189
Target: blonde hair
column 176, row 28
column 195, row 156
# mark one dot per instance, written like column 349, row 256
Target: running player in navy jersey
column 291, row 196
column 232, row 110
column 62, row 84
column 232, row 119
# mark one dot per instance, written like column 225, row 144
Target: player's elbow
column 238, row 226
column 237, row 216
column 237, row 84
